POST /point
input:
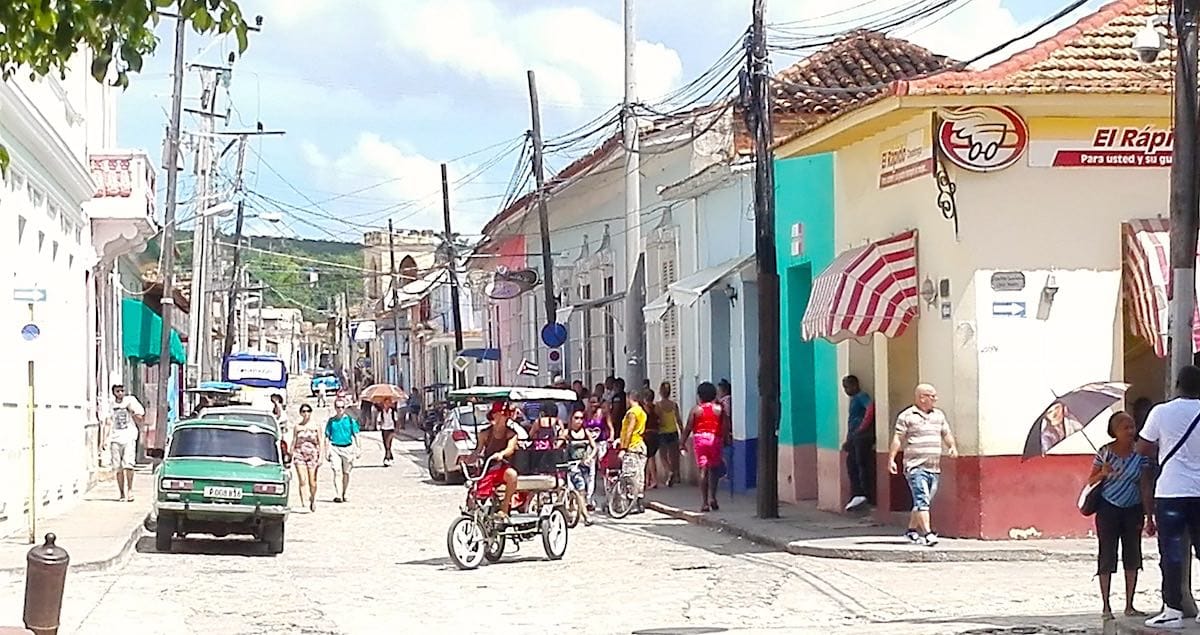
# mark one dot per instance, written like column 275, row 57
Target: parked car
column 461, row 426
column 222, row 476
column 324, row 377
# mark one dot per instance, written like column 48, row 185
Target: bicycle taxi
column 539, row 507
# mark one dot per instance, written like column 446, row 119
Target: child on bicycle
column 581, row 448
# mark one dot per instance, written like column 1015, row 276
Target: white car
column 457, row 438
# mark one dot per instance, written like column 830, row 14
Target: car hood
column 223, row 469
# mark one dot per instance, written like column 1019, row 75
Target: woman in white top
column 385, row 418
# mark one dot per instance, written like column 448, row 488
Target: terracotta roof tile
column 1091, row 56
column 863, row 63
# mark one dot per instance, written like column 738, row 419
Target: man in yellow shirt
column 633, row 450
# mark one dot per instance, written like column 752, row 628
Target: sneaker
column 855, row 502
column 912, row 536
column 930, row 539
column 1169, row 618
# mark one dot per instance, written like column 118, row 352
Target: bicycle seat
column 536, row 483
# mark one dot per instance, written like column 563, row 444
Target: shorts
column 489, row 482
column 123, row 454
column 924, row 485
column 651, row 445
column 341, row 458
column 707, row 449
column 668, row 440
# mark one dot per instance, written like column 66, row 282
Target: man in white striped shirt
column 921, row 430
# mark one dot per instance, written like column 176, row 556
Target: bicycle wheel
column 620, row 499
column 575, row 506
column 466, row 543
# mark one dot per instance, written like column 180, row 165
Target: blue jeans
column 923, row 484
column 1178, row 518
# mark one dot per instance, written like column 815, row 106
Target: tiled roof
column 852, row 70
column 1091, row 56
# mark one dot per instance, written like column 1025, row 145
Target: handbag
column 1089, row 497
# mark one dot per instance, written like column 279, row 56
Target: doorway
column 904, row 374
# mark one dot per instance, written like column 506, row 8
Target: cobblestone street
column 380, row 561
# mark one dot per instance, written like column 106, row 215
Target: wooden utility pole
column 758, row 119
column 539, row 179
column 635, row 257
column 235, row 278
column 163, row 396
column 203, row 243
column 395, row 303
column 452, row 269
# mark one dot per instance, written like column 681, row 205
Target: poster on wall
column 1097, row 143
column 905, row 158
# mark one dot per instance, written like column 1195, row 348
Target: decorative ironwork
column 947, row 202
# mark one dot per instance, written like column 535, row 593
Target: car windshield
column 224, row 443
column 260, row 417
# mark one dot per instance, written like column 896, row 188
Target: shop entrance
column 904, row 374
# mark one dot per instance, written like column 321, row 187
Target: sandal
column 715, row 506
column 1132, row 612
column 705, row 508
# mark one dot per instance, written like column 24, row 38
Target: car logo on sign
column 982, row 138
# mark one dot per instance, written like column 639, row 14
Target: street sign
column 461, row 364
column 29, row 295
column 1008, row 281
column 554, row 335
column 362, row 331
column 1008, row 309
column 30, row 332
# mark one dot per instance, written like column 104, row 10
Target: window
column 610, row 328
column 224, row 443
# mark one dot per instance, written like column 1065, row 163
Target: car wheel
column 164, row 531
column 433, row 473
column 273, row 535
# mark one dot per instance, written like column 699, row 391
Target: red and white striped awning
column 868, row 289
column 1146, row 281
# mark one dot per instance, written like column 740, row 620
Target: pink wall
column 511, row 251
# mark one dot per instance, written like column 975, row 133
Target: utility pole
column 1184, row 206
column 348, row 364
column 163, row 396
column 460, row 380
column 202, row 239
column 231, row 300
column 395, row 302
column 758, row 119
column 635, row 259
column 539, row 177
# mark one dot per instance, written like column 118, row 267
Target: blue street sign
column 554, row 335
column 30, row 332
column 29, row 295
column 1008, row 309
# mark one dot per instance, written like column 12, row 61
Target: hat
column 499, row 407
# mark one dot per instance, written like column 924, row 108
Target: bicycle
column 618, row 490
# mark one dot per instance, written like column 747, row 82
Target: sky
column 373, row 95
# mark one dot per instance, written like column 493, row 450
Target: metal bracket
column 947, row 201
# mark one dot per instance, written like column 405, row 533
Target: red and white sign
column 982, row 138
column 905, row 158
column 1108, row 146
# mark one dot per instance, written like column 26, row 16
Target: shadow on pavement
column 207, row 546
column 1088, row 623
column 687, row 534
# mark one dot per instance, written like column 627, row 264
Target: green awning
column 141, row 337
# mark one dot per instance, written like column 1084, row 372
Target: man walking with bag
column 1169, row 438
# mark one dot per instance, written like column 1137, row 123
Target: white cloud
column 404, row 185
column 576, row 52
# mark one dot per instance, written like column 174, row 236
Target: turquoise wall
column 809, row 400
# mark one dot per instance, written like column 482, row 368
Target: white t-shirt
column 1165, row 425
column 124, row 428
column 386, row 419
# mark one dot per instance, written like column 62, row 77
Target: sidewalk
column 1137, row 626
column 804, row 530
column 98, row 532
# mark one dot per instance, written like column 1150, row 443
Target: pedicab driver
column 498, row 443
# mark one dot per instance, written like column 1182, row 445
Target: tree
column 41, row 36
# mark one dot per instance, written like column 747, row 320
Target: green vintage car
column 221, row 477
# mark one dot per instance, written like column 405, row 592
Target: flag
column 528, row 368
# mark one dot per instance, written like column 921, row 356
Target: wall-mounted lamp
column 1050, row 289
column 928, row 293
column 731, row 293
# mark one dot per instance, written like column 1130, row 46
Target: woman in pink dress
column 709, row 423
column 306, row 455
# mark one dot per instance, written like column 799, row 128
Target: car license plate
column 228, row 493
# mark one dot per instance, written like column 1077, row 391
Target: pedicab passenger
column 498, row 442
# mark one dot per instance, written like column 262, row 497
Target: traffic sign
column 554, row 335
column 29, row 295
column 461, row 364
column 30, row 332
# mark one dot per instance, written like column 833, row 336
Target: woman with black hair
column 1120, row 515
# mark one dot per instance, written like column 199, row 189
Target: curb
column 914, row 555
column 92, row 566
